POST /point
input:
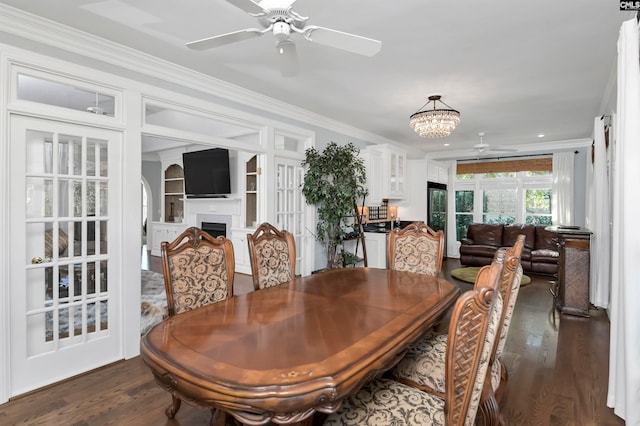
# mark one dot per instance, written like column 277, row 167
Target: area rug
column 468, row 274
column 153, row 308
column 153, row 300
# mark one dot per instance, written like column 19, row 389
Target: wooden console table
column 572, row 295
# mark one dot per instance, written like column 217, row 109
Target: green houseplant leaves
column 334, row 181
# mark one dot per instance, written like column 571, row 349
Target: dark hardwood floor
column 558, row 369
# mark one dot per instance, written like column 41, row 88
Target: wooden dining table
column 283, row 353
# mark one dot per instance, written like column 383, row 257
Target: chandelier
column 434, row 123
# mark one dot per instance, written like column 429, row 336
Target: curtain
column 624, row 351
column 562, row 189
column 598, row 221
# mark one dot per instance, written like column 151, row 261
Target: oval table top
column 282, row 353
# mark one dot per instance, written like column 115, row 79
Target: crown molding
column 34, row 28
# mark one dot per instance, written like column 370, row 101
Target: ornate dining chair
column 423, row 366
column 416, row 248
column 198, row 270
column 273, row 256
column 472, row 334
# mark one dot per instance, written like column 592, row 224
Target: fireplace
column 215, row 229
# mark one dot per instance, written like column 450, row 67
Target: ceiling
column 514, row 70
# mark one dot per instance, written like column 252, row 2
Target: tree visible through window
column 499, row 206
column 538, row 206
column 464, row 212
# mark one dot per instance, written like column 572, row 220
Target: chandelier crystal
column 436, row 122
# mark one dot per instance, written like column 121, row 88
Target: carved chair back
column 472, row 333
column 509, row 289
column 273, row 256
column 198, row 270
column 416, row 248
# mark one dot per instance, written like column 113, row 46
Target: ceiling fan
column 277, row 17
column 482, row 147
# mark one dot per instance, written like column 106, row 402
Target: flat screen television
column 206, row 173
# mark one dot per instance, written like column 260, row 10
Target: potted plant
column 335, row 179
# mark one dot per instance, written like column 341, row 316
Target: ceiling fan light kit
column 436, row 122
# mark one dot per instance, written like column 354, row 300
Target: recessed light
column 541, row 135
column 446, row 144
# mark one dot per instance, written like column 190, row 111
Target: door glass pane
column 66, row 197
column 102, row 236
column 39, row 197
column 91, row 197
column 103, row 277
column 64, row 288
column 76, row 153
column 39, row 152
column 77, row 198
column 90, row 163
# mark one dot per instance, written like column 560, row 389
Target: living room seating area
column 539, row 255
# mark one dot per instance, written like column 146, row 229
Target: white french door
column 290, row 204
column 64, row 290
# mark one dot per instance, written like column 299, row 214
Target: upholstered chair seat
column 425, row 360
column 471, row 337
column 423, row 366
column 387, row 402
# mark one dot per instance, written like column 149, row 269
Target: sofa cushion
column 478, row 250
column 545, row 255
column 485, row 234
column 510, row 235
column 546, row 240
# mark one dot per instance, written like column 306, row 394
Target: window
column 538, row 206
column 464, row 212
column 488, row 195
column 499, row 206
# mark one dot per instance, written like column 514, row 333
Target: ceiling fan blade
column 248, row 6
column 288, row 57
column 341, row 40
column 221, row 40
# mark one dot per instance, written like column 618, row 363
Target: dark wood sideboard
column 572, row 292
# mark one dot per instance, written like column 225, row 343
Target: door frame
column 115, row 240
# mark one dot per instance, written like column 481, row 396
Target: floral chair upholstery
column 198, row 270
column 416, row 248
column 424, row 364
column 473, row 329
column 273, row 256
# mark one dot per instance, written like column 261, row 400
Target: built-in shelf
column 173, row 193
column 251, row 191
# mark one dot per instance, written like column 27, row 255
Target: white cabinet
column 386, row 168
column 162, row 231
column 437, row 172
column 373, row 163
column 241, row 249
column 376, row 244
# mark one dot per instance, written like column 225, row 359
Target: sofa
column 539, row 254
